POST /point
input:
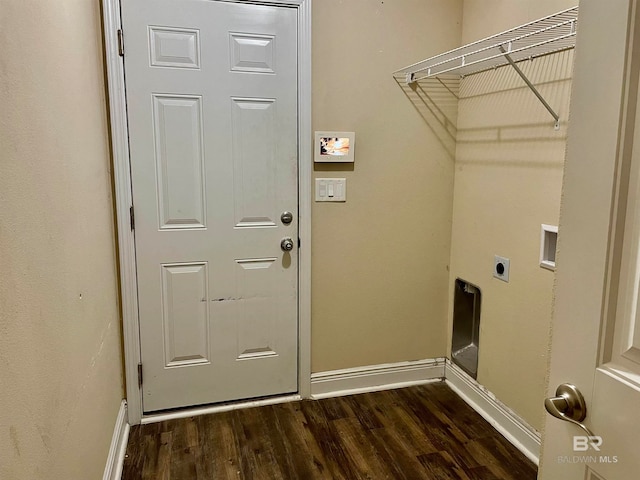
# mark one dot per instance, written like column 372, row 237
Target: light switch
column 331, row 189
column 321, row 189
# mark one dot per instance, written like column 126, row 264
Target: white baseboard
column 372, row 378
column 115, row 459
column 524, row 437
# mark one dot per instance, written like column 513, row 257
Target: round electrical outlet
column 501, row 268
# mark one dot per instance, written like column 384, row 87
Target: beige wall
column 380, row 260
column 508, row 180
column 60, row 363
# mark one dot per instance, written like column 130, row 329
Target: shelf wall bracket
column 532, row 87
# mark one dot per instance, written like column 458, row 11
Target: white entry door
column 596, row 328
column 211, row 91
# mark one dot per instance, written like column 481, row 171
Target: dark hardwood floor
column 423, row 432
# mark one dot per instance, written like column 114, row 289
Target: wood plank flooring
column 423, row 432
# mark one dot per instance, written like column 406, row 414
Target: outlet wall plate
column 548, row 245
column 501, row 268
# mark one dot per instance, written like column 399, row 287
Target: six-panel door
column 212, row 108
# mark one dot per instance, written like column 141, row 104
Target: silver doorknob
column 286, row 244
column 286, row 218
column 568, row 405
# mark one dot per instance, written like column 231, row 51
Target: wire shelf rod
column 496, row 45
column 552, row 34
column 497, row 56
column 528, row 36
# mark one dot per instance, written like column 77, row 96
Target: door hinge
column 132, row 218
column 299, row 243
column 140, row 375
column 120, row 43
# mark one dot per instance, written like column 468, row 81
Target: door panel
column 185, row 314
column 255, row 188
column 174, row 47
column 591, row 475
column 255, row 279
column 598, row 269
column 178, row 134
column 252, row 53
column 212, row 109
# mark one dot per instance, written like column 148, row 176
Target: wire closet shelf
column 545, row 36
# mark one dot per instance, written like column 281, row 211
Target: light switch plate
column 331, row 189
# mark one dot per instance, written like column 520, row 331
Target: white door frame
column 123, row 200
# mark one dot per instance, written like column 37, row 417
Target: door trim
column 123, row 199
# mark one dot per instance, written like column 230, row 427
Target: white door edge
column 123, row 201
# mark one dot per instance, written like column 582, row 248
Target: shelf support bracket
column 530, row 85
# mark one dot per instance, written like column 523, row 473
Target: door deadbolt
column 286, row 217
column 286, row 244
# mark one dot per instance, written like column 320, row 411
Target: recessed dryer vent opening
column 466, row 326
